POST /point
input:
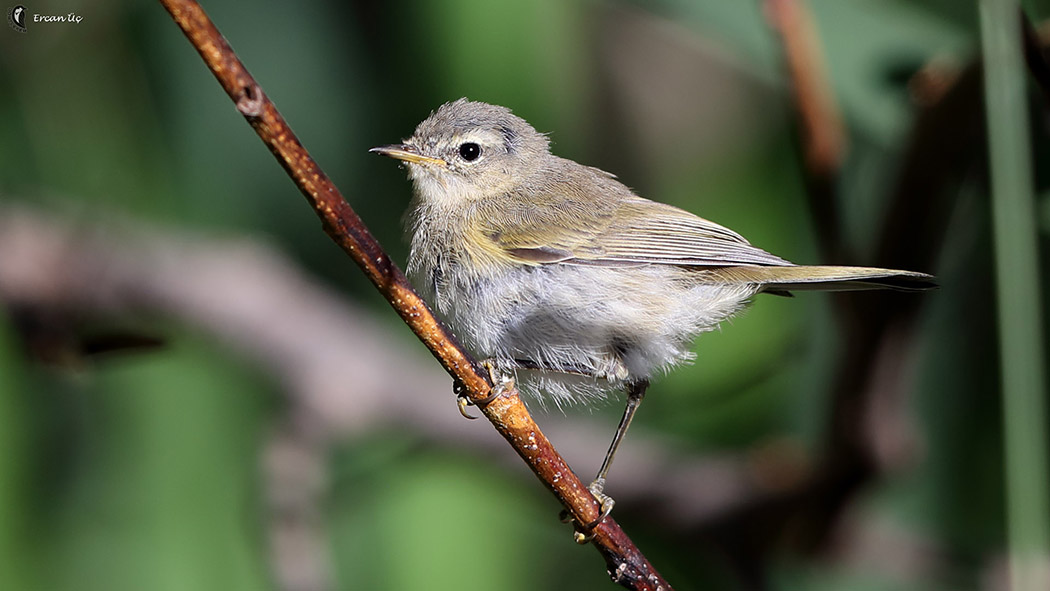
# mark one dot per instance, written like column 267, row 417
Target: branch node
column 251, row 101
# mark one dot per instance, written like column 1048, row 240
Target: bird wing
column 625, row 232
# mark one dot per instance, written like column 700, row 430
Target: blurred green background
column 144, row 471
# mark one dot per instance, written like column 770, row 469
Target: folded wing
column 635, row 231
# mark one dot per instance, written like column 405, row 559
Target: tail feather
column 824, row 278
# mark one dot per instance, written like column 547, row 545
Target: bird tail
column 779, row 279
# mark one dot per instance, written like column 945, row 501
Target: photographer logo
column 16, row 18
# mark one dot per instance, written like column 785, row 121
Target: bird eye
column 470, row 151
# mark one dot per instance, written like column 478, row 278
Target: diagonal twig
column 626, row 564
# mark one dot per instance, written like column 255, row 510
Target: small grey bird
column 558, row 273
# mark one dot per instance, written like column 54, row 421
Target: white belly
column 614, row 324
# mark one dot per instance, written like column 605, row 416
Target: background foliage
column 143, row 471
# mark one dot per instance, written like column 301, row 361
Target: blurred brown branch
column 1035, row 42
column 333, row 360
column 507, row 413
column 867, row 432
column 822, row 137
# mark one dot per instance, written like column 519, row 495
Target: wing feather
column 626, row 231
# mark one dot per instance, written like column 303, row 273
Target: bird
column 560, row 275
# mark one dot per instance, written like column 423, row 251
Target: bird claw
column 597, row 489
column 585, row 532
column 462, row 402
column 500, row 385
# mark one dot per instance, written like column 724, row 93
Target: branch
column 626, row 565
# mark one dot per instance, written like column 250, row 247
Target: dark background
column 161, row 468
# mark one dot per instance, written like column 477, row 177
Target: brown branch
column 626, row 565
column 817, row 117
column 1035, row 53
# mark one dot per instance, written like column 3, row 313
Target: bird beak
column 408, row 153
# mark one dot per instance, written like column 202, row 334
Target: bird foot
column 585, row 532
column 500, row 385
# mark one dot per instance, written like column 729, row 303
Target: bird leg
column 635, row 394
